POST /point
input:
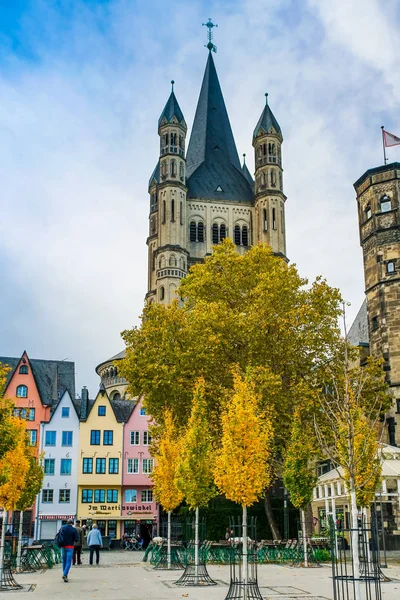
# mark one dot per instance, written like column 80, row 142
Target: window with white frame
column 130, row 496
column 147, row 465
column 64, row 496
column 147, row 495
column 133, row 466
column 47, row 496
column 146, row 438
column 135, row 438
column 32, row 436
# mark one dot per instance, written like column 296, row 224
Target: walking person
column 95, row 543
column 69, row 536
column 78, row 545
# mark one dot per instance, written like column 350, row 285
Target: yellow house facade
column 101, row 462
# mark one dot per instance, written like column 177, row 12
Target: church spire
column 266, row 121
column 172, row 111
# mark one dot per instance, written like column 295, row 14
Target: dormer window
column 368, row 212
column 385, row 204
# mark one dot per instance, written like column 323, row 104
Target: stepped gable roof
column 212, row 162
column 266, row 121
column 171, row 110
column 358, row 334
column 52, row 377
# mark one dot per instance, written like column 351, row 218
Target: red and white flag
column 389, row 139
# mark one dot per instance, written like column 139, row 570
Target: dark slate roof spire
column 171, row 110
column 246, row 172
column 266, row 121
column 212, row 159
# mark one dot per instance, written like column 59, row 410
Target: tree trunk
column 303, row 527
column 245, row 557
column 196, row 548
column 2, row 545
column 309, row 520
column 354, row 542
column 276, row 535
column 169, row 540
column 21, row 517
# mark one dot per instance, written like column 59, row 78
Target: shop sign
column 103, row 508
column 138, row 508
column 55, row 517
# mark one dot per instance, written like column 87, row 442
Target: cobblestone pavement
column 122, row 576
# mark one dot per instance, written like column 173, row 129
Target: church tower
column 200, row 198
column 167, row 222
column 269, row 197
column 378, row 193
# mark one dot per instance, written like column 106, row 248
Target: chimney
column 84, row 403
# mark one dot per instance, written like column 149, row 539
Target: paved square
column 122, row 576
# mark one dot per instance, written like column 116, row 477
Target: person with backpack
column 78, row 545
column 66, row 538
column 94, row 542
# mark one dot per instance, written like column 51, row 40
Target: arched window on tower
column 164, row 211
column 273, row 178
column 215, row 233
column 173, row 168
column 273, row 218
column 200, row 231
column 192, row 231
column 222, row 232
column 181, row 213
column 181, row 171
column 385, row 203
column 245, row 236
column 172, row 260
column 172, row 210
column 237, row 235
column 162, row 293
column 271, row 152
column 368, row 212
column 280, row 181
column 265, row 220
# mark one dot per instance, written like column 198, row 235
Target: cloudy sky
column 82, row 84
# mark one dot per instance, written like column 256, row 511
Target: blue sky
column 82, row 84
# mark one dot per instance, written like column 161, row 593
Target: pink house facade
column 139, row 510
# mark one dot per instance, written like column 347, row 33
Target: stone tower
column 167, row 221
column 198, row 200
column 269, row 197
column 378, row 193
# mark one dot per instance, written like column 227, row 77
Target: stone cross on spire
column 210, row 26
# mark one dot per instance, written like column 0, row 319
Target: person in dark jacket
column 78, row 545
column 69, row 536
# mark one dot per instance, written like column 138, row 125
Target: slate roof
column 247, row 174
column 212, row 161
column 155, row 174
column 115, row 357
column 358, row 334
column 171, row 109
column 122, row 409
column 51, row 376
column 266, row 121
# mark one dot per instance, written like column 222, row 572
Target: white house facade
column 59, row 446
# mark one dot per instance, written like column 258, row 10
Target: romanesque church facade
column 200, row 193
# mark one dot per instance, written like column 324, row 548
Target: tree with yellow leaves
column 299, row 473
column 251, row 311
column 195, row 469
column 21, row 475
column 348, row 425
column 166, row 452
column 243, row 464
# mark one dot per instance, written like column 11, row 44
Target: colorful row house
column 95, row 453
column 37, row 388
column 114, row 475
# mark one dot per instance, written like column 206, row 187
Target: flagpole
column 383, row 144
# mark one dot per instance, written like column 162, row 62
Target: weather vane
column 210, row 26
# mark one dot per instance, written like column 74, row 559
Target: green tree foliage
column 239, row 312
column 195, row 470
